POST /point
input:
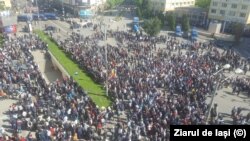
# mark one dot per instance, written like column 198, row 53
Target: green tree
column 139, row 3
column 2, row 6
column 147, row 8
column 139, row 13
column 113, row 3
column 152, row 26
column 185, row 23
column 1, row 40
column 203, row 3
column 171, row 21
column 238, row 29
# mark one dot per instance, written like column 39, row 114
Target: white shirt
column 48, row 133
column 24, row 114
column 65, row 119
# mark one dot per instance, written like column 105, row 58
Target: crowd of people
column 156, row 82
column 145, row 78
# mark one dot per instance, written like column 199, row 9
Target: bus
column 178, row 31
column 41, row 17
column 136, row 26
column 23, row 18
column 51, row 16
column 194, row 34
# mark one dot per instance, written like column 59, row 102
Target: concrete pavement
column 45, row 66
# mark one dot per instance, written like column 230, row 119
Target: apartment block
column 197, row 16
column 228, row 12
column 170, row 5
column 6, row 3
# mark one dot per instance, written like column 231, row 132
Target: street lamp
column 227, row 66
column 106, row 58
column 38, row 14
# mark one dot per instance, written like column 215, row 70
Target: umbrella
column 238, row 71
column 227, row 66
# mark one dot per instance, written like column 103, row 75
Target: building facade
column 170, row 5
column 6, row 3
column 228, row 12
column 197, row 16
column 79, row 5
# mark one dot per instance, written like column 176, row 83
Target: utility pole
column 212, row 100
column 106, row 58
column 63, row 8
column 38, row 15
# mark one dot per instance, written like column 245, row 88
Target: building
column 78, row 6
column 6, row 3
column 197, row 16
column 170, row 5
column 228, row 12
column 8, row 24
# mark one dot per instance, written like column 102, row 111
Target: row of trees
column 184, row 22
column 203, row 3
column 113, row 3
column 154, row 20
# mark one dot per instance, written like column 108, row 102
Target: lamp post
column 212, row 100
column 106, row 58
column 227, row 66
column 38, row 14
column 62, row 7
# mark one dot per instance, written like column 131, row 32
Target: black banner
column 210, row 132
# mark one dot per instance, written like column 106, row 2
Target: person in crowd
column 153, row 87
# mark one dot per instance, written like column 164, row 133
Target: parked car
column 75, row 26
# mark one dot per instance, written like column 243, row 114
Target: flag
column 113, row 73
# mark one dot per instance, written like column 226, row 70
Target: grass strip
column 94, row 90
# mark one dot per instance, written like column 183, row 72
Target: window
column 244, row 7
column 243, row 15
column 222, row 12
column 224, row 5
column 231, row 13
column 234, row 5
column 213, row 11
column 215, row 3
